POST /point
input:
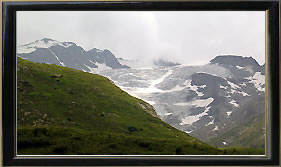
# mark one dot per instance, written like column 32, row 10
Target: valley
column 78, row 113
column 221, row 103
column 204, row 101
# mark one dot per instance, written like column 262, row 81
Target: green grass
column 246, row 135
column 76, row 142
column 66, row 111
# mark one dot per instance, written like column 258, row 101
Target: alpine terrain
column 221, row 103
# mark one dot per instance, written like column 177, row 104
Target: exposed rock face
column 68, row 54
column 205, row 101
column 165, row 63
column 104, row 57
column 239, row 61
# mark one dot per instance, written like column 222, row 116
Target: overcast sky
column 187, row 37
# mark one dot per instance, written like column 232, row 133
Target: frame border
column 272, row 8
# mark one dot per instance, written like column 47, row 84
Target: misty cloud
column 187, row 37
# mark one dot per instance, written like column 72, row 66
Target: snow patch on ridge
column 258, row 80
column 239, row 67
column 189, row 120
column 197, row 102
column 239, row 92
column 22, row 49
column 101, row 67
column 233, row 102
column 92, row 70
column 209, row 74
column 150, row 102
column 243, row 84
column 223, row 87
column 99, row 51
column 56, row 57
column 44, row 43
column 229, row 113
column 188, row 131
column 244, row 93
column 194, row 87
column 210, row 123
column 234, row 86
column 216, row 128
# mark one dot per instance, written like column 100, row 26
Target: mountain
column 212, row 102
column 147, row 64
column 163, row 62
column 204, row 101
column 129, row 63
column 232, row 60
column 106, row 57
column 68, row 54
column 67, row 111
column 245, row 135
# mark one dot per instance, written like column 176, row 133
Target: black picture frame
column 9, row 9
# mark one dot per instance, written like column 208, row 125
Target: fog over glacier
column 186, row 37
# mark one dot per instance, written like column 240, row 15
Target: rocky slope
column 68, row 54
column 226, row 96
column 204, row 101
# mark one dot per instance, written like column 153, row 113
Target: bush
column 195, row 145
column 76, row 138
column 60, row 149
column 132, row 129
column 38, row 131
column 33, row 142
column 179, row 150
column 142, row 144
column 113, row 146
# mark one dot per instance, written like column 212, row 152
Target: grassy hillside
column 66, row 111
column 246, row 135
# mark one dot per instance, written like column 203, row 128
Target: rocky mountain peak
column 43, row 43
column 68, row 54
column 235, row 60
column 165, row 63
column 95, row 50
column 46, row 40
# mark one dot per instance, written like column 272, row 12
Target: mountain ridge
column 68, row 54
column 106, row 121
column 204, row 101
column 239, row 61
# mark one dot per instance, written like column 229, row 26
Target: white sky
column 187, row 37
